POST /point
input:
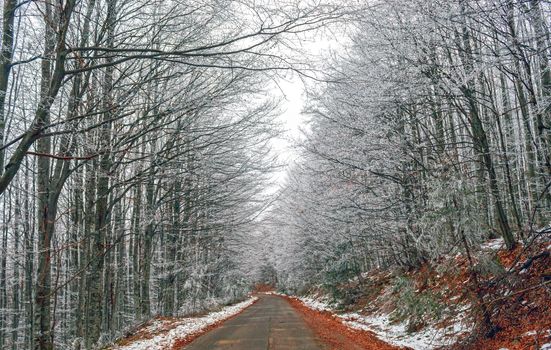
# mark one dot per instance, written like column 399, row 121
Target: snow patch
column 430, row 337
column 319, row 304
column 185, row 328
column 427, row 339
column 493, row 244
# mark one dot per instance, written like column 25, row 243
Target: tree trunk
column 6, row 57
column 480, row 139
column 55, row 51
column 481, row 143
column 99, row 245
column 44, row 335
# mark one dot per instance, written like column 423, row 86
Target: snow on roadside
column 426, row 339
column 186, row 327
column 316, row 304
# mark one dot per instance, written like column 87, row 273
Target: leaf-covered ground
column 439, row 305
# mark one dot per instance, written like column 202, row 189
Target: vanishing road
column 269, row 324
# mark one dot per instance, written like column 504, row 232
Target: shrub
column 488, row 265
column 416, row 307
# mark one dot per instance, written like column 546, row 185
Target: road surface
column 269, row 324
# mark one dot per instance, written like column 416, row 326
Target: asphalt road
column 271, row 323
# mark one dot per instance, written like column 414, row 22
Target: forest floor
column 439, row 305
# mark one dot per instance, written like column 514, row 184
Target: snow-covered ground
column 319, row 304
column 426, row 339
column 493, row 244
column 184, row 328
column 394, row 333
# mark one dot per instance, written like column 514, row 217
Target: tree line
column 135, row 146
column 433, row 137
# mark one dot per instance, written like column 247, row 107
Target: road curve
column 269, row 324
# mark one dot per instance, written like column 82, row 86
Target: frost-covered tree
column 134, row 149
column 432, row 136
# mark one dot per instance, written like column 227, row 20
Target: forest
column 141, row 172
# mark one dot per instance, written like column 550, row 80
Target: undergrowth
column 418, row 308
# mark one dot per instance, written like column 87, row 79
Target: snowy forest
column 139, row 160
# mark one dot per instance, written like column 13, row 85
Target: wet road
column 271, row 323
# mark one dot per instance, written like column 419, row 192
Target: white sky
column 293, row 100
column 292, row 92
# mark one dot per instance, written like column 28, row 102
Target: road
column 269, row 324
